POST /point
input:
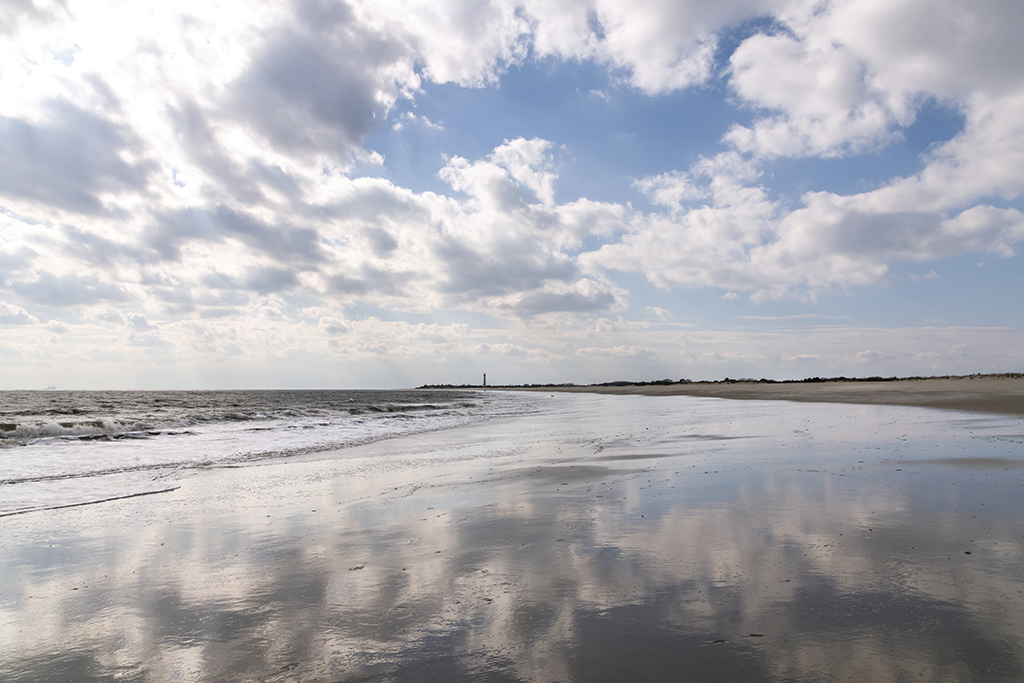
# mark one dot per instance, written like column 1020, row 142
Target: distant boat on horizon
column 51, row 387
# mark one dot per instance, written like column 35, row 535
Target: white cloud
column 332, row 325
column 460, row 42
column 831, row 95
column 186, row 162
column 620, row 351
column 844, row 76
column 827, row 107
column 507, row 249
column 15, row 315
column 505, row 349
column 410, row 118
column 660, row 45
column 739, row 239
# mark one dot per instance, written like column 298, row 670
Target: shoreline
column 998, row 395
column 597, row 539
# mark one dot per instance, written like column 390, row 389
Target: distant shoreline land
column 987, row 393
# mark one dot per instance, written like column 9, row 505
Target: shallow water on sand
column 69, row 448
column 607, row 539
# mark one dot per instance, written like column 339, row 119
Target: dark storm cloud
column 68, row 161
column 283, row 243
column 69, row 290
column 316, row 91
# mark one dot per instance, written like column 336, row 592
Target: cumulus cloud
column 138, row 321
column 210, row 163
column 69, row 160
column 332, row 325
column 658, row 45
column 621, row 351
column 148, row 339
column 17, row 11
column 285, row 242
column 740, row 239
column 826, row 106
column 842, row 78
column 70, row 290
column 505, row 349
column 317, row 87
column 582, row 296
column 15, row 315
column 826, row 85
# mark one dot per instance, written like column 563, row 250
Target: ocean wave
column 147, row 435
column 27, row 427
column 211, row 458
column 27, row 433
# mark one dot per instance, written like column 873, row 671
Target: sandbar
column 1000, row 395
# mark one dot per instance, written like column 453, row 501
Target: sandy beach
column 604, row 538
column 985, row 394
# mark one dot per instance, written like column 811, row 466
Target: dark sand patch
column 981, row 464
column 638, row 456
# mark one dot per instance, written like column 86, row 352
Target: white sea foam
column 63, row 448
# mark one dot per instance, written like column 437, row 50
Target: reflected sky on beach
column 613, row 538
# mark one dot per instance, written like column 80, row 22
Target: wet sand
column 985, row 394
column 611, row 538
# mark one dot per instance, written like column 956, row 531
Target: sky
column 321, row 194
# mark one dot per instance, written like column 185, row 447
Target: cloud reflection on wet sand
column 616, row 538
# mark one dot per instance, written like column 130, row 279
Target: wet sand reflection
column 620, row 538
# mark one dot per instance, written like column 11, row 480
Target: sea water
column 62, row 448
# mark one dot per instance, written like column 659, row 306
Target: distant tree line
column 727, row 380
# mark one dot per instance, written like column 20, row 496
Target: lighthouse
column 485, row 379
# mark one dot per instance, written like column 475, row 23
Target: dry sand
column 988, row 394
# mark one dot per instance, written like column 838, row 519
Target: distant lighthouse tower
column 485, row 379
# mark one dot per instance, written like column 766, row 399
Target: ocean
column 64, row 448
